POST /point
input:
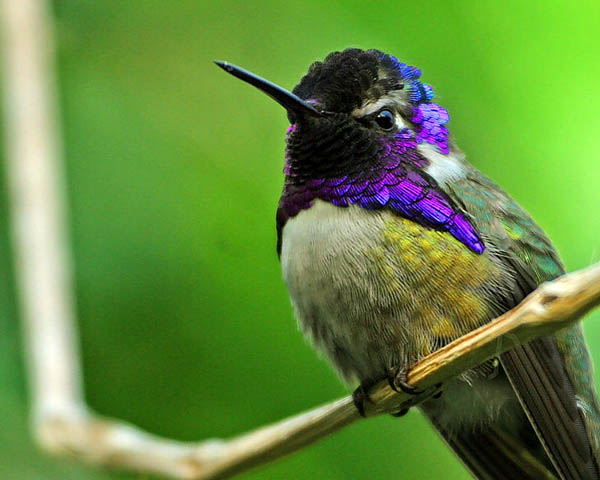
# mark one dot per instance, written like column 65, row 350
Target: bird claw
column 400, row 413
column 397, row 378
column 360, row 396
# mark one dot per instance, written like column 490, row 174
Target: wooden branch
column 35, row 176
column 61, row 420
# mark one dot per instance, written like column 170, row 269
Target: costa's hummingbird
column 392, row 245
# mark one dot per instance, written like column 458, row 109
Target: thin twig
column 38, row 212
column 61, row 420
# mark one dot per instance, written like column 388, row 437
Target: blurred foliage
column 174, row 171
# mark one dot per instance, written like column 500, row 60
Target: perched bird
column 392, row 245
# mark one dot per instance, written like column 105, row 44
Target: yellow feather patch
column 441, row 278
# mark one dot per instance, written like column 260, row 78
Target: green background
column 174, row 171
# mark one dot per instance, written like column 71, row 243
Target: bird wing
column 538, row 371
column 493, row 454
column 538, row 377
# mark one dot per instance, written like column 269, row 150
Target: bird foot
column 397, row 378
column 360, row 396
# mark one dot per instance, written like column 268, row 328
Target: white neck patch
column 442, row 167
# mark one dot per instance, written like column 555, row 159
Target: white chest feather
column 324, row 232
column 334, row 289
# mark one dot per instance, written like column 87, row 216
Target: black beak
column 292, row 103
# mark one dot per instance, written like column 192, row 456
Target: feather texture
column 539, row 371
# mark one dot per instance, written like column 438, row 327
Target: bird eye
column 385, row 119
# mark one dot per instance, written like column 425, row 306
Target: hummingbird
column 392, row 245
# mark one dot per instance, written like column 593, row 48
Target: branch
column 35, row 180
column 61, row 421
